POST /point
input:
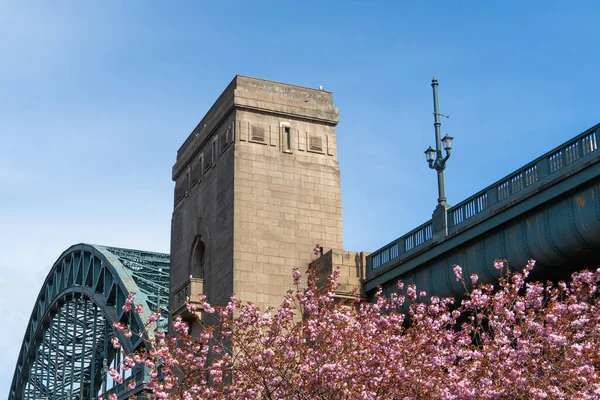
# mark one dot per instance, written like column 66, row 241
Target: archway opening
column 197, row 269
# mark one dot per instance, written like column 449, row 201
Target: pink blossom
column 457, row 272
column 115, row 375
column 514, row 339
column 119, row 326
column 153, row 318
column 498, row 264
column 296, row 275
column 411, row 292
column 317, row 250
column 474, row 279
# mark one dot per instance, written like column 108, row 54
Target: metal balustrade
column 518, row 182
column 405, row 244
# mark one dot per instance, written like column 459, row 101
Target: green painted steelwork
column 548, row 195
column 66, row 351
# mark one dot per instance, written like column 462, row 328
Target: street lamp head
column 430, row 155
column 447, row 142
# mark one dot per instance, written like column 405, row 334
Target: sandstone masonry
column 257, row 185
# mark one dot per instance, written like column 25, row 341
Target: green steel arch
column 66, row 350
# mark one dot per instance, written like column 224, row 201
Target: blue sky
column 96, row 97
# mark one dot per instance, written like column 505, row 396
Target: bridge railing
column 401, row 246
column 498, row 194
column 513, row 185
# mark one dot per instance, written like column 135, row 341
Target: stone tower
column 257, row 185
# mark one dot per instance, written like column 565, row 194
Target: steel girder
column 66, row 350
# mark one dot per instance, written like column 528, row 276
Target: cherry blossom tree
column 511, row 340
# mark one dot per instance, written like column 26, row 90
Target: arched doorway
column 197, row 265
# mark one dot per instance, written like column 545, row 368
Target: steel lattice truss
column 66, row 351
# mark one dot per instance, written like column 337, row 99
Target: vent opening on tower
column 315, row 143
column 215, row 150
column 287, row 139
column 258, row 134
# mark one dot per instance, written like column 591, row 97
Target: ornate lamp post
column 438, row 162
column 434, row 157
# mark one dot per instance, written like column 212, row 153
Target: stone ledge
column 189, row 290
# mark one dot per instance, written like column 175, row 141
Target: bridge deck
column 549, row 179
